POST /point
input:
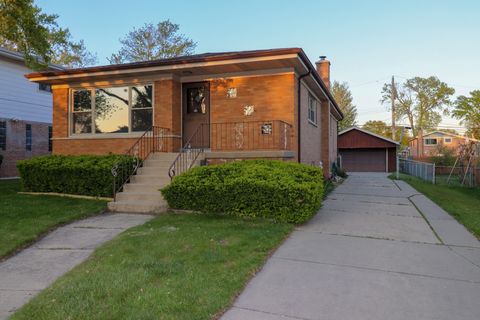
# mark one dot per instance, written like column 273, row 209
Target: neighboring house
column 427, row 145
column 362, row 150
column 25, row 113
column 248, row 104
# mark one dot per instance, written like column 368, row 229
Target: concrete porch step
column 166, row 156
column 139, row 196
column 160, row 180
column 158, row 163
column 142, row 187
column 138, row 207
column 156, row 171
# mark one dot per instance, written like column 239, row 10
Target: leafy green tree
column 152, row 42
column 382, row 129
column 421, row 101
column 25, row 28
column 467, row 110
column 378, row 127
column 342, row 95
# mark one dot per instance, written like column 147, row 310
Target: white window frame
column 447, row 142
column 311, row 99
column 431, row 144
column 93, row 133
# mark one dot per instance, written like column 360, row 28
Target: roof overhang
column 16, row 56
column 369, row 133
column 196, row 65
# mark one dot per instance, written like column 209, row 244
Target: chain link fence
column 422, row 170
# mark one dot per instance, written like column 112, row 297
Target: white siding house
column 25, row 113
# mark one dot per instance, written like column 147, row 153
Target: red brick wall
column 325, row 128
column 272, row 96
column 15, row 147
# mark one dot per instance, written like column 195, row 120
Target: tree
column 25, row 28
column 384, row 130
column 342, row 95
column 421, row 101
column 467, row 110
column 152, row 42
column 378, row 127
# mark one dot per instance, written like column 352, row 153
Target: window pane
column 3, row 135
column 82, row 122
column 28, row 137
column 82, row 100
column 142, row 97
column 141, row 119
column 111, row 110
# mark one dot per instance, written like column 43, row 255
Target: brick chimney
column 323, row 69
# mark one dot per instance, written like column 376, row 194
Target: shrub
column 283, row 191
column 83, row 175
column 445, row 156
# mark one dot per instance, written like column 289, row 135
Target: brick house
column 427, row 145
column 232, row 105
column 25, row 114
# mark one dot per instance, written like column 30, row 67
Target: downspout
column 299, row 109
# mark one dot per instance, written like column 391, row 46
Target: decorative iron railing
column 155, row 139
column 251, row 135
column 232, row 136
column 193, row 148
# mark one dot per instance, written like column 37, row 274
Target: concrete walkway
column 369, row 254
column 35, row 268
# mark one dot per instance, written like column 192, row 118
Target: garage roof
column 361, row 141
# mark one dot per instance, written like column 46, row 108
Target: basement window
column 112, row 110
column 312, row 109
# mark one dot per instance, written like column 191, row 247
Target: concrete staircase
column 142, row 194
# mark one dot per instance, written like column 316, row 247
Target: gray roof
column 12, row 55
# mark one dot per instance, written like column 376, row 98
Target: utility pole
column 393, row 108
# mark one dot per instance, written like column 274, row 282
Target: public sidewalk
column 35, row 268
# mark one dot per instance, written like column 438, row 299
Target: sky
column 366, row 41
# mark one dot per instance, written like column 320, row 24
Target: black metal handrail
column 190, row 152
column 155, row 139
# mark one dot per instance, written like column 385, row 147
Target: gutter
column 299, row 87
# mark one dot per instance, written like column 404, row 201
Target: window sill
column 312, row 123
column 102, row 136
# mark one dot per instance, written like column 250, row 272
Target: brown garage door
column 361, row 160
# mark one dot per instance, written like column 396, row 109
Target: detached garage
column 361, row 150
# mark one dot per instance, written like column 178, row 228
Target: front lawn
column 23, row 218
column 172, row 267
column 461, row 202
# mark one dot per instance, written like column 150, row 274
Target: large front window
column 112, row 110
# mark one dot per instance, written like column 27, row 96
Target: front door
column 196, row 114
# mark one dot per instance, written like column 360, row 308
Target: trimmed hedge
column 84, row 175
column 282, row 191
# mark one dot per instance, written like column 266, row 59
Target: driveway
column 377, row 249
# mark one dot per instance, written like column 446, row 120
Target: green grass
column 173, row 267
column 461, row 202
column 23, row 218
